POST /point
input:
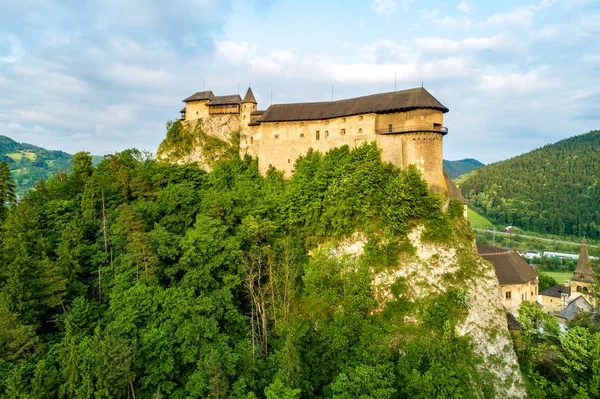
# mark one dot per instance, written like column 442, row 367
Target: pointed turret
column 249, row 97
column 584, row 271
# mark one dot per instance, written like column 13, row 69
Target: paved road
column 503, row 233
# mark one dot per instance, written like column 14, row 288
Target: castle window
column 326, row 133
column 288, row 160
column 578, row 288
column 196, row 112
column 343, row 119
column 343, row 132
column 585, row 289
column 276, row 136
column 508, row 294
column 317, row 135
column 360, row 129
column 301, row 135
column 244, row 117
column 327, row 122
column 251, row 140
column 360, row 118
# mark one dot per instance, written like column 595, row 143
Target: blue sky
column 105, row 76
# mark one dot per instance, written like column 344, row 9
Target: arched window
column 578, row 288
column 585, row 289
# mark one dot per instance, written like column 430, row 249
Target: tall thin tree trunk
column 104, row 223
column 145, row 264
column 99, row 286
column 131, row 385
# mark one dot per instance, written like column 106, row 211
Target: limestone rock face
column 205, row 141
column 427, row 272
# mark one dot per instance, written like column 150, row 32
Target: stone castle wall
column 281, row 143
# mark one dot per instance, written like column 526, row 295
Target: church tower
column 583, row 276
column 248, row 106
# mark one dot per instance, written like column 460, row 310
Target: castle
column 407, row 126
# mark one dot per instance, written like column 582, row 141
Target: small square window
column 326, row 133
column 343, row 119
column 276, row 136
column 301, row 135
column 508, row 294
column 360, row 130
column 343, row 132
column 360, row 118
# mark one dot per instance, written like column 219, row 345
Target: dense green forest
column 554, row 189
column 29, row 164
column 163, row 281
column 459, row 168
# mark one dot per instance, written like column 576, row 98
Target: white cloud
column 385, row 7
column 138, row 75
column 546, row 32
column 11, row 48
column 518, row 17
column 439, row 45
column 451, row 22
column 233, row 51
column 386, row 51
column 464, row 6
column 520, row 83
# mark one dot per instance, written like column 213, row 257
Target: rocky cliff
column 202, row 141
column 436, row 268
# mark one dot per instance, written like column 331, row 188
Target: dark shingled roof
column 395, row 101
column 584, row 271
column 454, row 191
column 509, row 266
column 556, row 290
column 249, row 97
column 199, row 96
column 226, row 100
column 577, row 305
column 257, row 112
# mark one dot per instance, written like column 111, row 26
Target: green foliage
column 7, row 189
column 183, row 138
column 546, row 281
column 30, row 164
column 160, row 280
column 553, row 189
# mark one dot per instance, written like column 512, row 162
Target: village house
column 518, row 280
column 407, row 126
column 566, row 300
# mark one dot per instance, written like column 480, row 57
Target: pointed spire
column 584, row 271
column 249, row 97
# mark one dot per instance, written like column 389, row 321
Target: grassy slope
column 29, row 164
column 559, row 276
column 477, row 220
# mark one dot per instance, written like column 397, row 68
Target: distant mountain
column 458, row 168
column 554, row 189
column 29, row 163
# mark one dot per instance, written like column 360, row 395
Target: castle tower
column 248, row 106
column 583, row 276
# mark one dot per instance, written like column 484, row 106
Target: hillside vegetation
column 459, row 168
column 28, row 163
column 165, row 281
column 554, row 189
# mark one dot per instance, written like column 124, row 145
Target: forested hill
column 143, row 279
column 28, row 163
column 458, row 168
column 554, row 189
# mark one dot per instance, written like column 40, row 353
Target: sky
column 107, row 75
